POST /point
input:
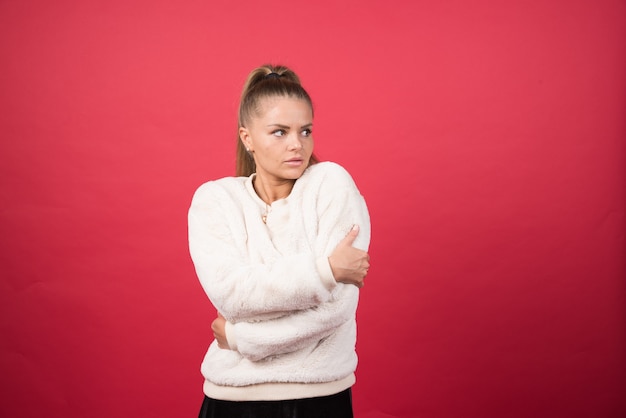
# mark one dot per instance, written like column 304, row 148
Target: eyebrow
column 278, row 125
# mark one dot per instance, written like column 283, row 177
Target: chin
column 294, row 174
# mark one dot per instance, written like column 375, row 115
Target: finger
column 349, row 239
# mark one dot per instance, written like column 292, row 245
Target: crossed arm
column 256, row 341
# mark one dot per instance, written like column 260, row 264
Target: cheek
column 272, row 151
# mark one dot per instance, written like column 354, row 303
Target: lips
column 294, row 161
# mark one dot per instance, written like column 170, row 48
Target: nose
column 294, row 143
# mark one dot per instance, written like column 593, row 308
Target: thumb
column 349, row 239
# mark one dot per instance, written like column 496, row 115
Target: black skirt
column 333, row 406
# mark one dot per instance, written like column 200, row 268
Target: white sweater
column 291, row 327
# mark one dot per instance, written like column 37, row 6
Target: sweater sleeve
column 238, row 287
column 340, row 206
column 259, row 340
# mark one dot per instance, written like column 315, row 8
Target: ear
column 244, row 137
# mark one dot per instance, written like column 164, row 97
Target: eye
column 306, row 132
column 279, row 132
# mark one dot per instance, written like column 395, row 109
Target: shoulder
column 219, row 189
column 329, row 172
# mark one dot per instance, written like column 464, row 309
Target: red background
column 487, row 137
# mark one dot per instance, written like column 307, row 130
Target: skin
column 281, row 143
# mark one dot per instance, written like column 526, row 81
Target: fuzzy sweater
column 291, row 328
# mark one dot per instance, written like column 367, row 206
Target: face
column 280, row 138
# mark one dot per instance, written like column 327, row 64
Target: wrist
column 325, row 272
column 229, row 331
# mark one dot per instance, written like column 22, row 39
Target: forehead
column 284, row 107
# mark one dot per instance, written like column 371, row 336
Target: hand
column 349, row 264
column 219, row 331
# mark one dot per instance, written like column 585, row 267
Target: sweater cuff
column 229, row 329
column 326, row 273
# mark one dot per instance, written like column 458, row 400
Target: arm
column 322, row 322
column 345, row 217
column 259, row 340
column 237, row 286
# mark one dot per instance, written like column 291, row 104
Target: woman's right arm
column 238, row 287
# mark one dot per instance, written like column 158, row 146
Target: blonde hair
column 260, row 85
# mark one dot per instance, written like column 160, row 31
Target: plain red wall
column 487, row 137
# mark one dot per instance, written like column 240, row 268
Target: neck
column 272, row 190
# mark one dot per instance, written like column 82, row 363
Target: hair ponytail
column 265, row 81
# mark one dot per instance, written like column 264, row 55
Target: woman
column 281, row 252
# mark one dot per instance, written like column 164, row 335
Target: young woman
column 281, row 252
